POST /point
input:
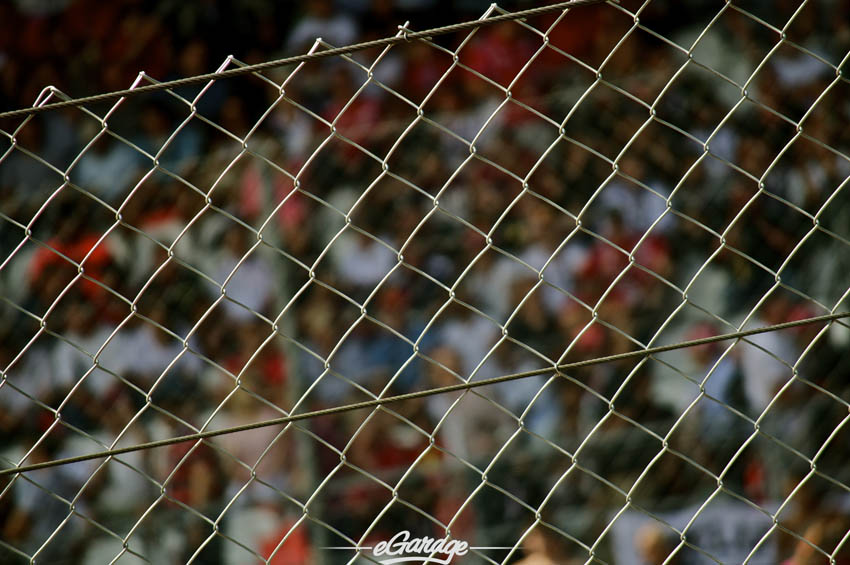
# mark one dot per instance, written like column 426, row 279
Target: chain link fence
column 561, row 285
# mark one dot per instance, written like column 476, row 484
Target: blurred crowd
column 180, row 281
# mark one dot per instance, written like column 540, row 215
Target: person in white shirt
column 473, row 427
column 321, row 20
column 470, row 334
column 250, row 286
column 109, row 169
column 766, row 358
column 361, row 261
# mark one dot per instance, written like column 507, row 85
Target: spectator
column 767, row 360
column 655, row 545
column 542, row 547
column 320, row 20
column 471, row 428
column 108, row 169
column 246, row 277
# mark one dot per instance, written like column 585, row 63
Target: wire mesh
column 547, row 236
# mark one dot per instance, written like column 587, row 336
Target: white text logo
column 401, row 548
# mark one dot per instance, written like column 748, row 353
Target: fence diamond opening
column 565, row 284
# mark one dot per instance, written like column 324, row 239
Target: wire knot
column 404, row 31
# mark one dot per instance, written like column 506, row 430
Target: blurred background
column 165, row 205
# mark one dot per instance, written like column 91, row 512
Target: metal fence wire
column 562, row 285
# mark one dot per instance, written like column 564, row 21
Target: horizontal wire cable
column 376, row 402
column 404, row 36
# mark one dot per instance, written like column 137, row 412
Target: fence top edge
column 402, row 36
